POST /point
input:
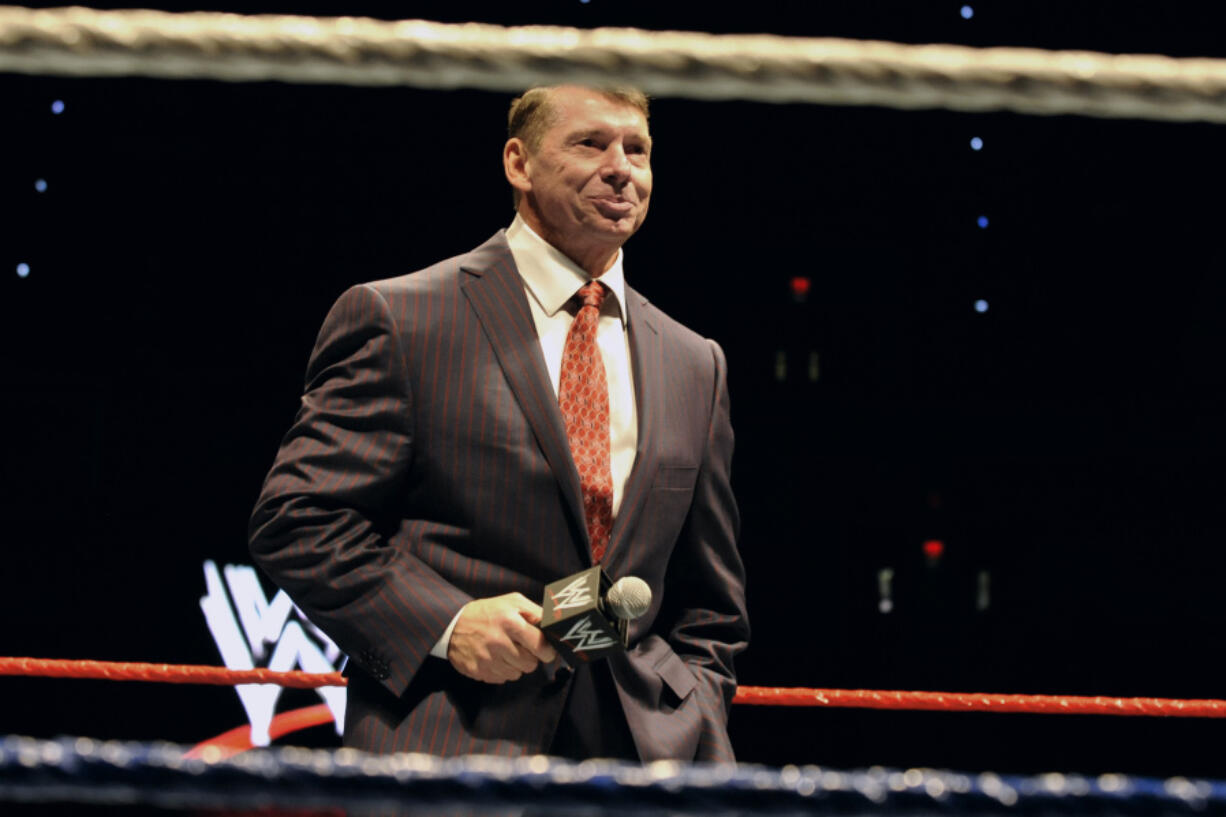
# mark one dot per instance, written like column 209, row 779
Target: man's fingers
column 490, row 669
column 504, row 655
column 500, row 673
column 533, row 640
column 531, row 637
column 518, row 658
column 544, row 651
column 494, row 642
column 528, row 609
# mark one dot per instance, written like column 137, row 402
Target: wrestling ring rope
column 112, row 773
column 354, row 51
column 238, row 740
column 748, row 695
column 220, row 773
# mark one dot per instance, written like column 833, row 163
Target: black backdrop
column 1067, row 442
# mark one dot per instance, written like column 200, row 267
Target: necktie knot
column 592, row 294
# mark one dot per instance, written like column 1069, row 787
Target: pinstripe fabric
column 428, row 465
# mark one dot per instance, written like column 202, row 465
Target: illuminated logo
column 252, row 631
column 585, row 637
column 575, row 594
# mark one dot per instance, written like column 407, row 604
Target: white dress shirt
column 550, row 281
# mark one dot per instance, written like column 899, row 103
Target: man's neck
column 594, row 259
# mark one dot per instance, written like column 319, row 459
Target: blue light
column 967, row 12
column 40, row 185
column 23, row 270
column 981, row 306
column 976, row 143
column 982, row 221
column 57, row 107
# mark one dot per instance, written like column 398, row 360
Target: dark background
column 1068, row 443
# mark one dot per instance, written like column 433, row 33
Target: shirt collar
column 551, row 277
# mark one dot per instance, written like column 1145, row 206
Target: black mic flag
column 578, row 620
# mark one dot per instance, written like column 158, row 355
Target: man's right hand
column 497, row 639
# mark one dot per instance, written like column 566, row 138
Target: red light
column 800, row 286
column 933, row 549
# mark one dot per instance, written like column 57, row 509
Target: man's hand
column 497, row 640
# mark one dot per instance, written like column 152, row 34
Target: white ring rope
column 355, row 51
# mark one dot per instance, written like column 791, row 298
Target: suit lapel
column 496, row 291
column 646, row 360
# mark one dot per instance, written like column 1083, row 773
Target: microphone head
column 628, row 598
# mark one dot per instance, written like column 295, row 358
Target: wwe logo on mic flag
column 577, row 593
column 585, row 637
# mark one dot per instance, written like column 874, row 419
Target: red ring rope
column 755, row 696
column 165, row 673
column 980, row 702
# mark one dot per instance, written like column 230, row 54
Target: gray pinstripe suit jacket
column 428, row 465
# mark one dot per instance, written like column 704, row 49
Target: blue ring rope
column 85, row 770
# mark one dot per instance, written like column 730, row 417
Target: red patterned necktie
column 583, row 393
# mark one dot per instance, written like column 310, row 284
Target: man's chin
column 620, row 228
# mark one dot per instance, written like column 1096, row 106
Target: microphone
column 585, row 616
column 628, row 598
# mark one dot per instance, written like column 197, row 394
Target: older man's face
column 591, row 176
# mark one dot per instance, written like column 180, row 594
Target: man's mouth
column 611, row 207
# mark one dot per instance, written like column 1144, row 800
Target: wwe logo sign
column 584, row 637
column 575, row 594
column 267, row 637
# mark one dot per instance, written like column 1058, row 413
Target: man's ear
column 515, row 164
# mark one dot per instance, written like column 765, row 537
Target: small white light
column 23, row 269
column 967, row 12
column 976, row 143
column 57, row 107
column 885, row 580
column 981, row 305
column 40, row 185
column 982, row 221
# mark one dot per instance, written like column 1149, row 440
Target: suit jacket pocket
column 675, row 478
column 677, row 677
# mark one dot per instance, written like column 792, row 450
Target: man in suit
column 476, row 430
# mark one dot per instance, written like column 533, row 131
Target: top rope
column 355, row 51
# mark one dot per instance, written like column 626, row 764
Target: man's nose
column 616, row 168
